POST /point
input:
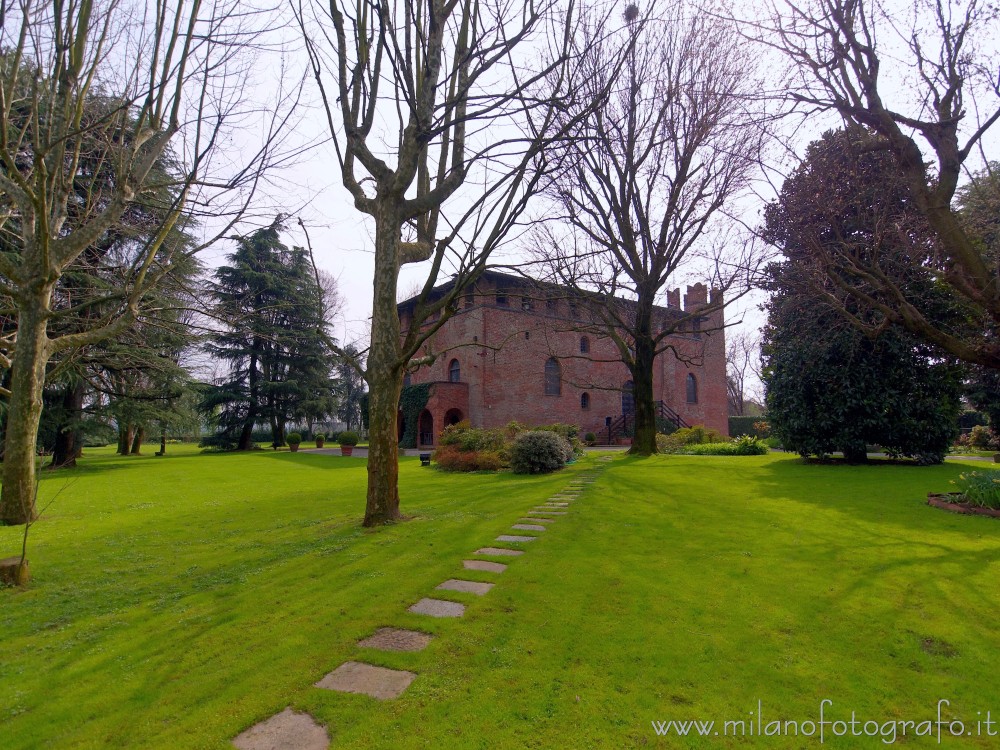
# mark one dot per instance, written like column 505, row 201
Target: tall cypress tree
column 273, row 343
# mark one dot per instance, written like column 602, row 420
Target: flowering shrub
column 981, row 488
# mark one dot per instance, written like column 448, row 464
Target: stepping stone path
column 285, row 731
column 378, row 682
column 466, row 587
column 394, row 639
column 438, row 608
column 289, row 730
column 500, row 551
column 485, row 565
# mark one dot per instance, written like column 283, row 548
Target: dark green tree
column 274, row 341
column 350, row 388
column 831, row 386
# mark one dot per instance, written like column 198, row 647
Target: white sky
column 342, row 237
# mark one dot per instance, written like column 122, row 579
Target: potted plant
column 320, row 439
column 347, row 442
column 293, row 439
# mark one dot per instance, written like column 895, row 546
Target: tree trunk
column 644, row 439
column 385, row 380
column 67, row 447
column 246, row 435
column 126, row 435
column 140, row 436
column 24, row 410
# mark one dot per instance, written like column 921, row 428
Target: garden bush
column 677, row 440
column 539, row 452
column 981, row 438
column 347, row 438
column 745, row 426
column 742, row 446
column 453, row 458
column 468, row 438
column 293, row 438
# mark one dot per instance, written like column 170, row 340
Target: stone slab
column 499, row 551
column 438, row 608
column 550, row 512
column 554, row 504
column 528, row 527
column 489, row 567
column 396, row 639
column 467, row 587
column 366, row 679
column 285, row 731
column 514, row 538
column 529, row 519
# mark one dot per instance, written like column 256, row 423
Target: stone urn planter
column 346, row 450
column 293, row 441
column 320, row 440
column 953, row 501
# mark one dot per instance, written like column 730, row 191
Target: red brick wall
column 502, row 353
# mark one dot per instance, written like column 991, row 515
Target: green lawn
column 178, row 600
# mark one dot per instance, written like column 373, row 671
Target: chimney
column 697, row 296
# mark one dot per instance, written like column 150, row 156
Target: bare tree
column 440, row 111
column 91, row 97
column 643, row 177
column 742, row 370
column 923, row 77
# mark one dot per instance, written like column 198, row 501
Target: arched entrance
column 453, row 416
column 426, row 427
column 628, row 400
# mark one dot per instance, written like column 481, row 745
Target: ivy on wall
column 412, row 400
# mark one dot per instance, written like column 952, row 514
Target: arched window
column 692, row 389
column 584, row 345
column 584, row 401
column 553, row 378
column 454, row 372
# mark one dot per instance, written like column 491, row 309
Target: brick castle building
column 517, row 350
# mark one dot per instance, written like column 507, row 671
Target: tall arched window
column 454, row 372
column 692, row 389
column 584, row 401
column 553, row 377
column 628, row 399
column 584, row 345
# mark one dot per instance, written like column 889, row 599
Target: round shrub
column 347, row 438
column 539, row 452
column 293, row 438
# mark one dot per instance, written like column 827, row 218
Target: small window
column 585, row 401
column 527, row 303
column 527, row 335
column 502, row 299
column 470, row 299
column 553, row 377
column 551, row 304
column 692, row 389
column 584, row 345
column 572, row 309
column 454, row 372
